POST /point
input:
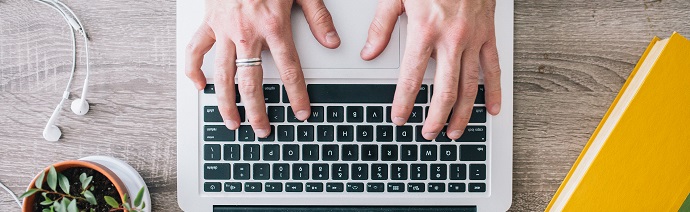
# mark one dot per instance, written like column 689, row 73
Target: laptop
column 348, row 156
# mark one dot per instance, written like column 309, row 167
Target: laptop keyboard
column 349, row 144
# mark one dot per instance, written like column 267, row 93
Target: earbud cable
column 11, row 194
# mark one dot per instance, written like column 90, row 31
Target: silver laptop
column 335, row 160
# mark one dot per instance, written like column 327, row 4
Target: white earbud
column 52, row 132
column 80, row 106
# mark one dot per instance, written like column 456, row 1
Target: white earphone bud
column 80, row 106
column 52, row 133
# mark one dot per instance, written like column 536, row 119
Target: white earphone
column 79, row 106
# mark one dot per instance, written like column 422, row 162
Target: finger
column 445, row 93
column 196, row 49
column 381, row 27
column 286, row 59
column 492, row 76
column 415, row 60
column 224, row 80
column 320, row 23
column 469, row 80
column 251, row 89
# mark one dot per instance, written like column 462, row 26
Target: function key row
column 342, row 187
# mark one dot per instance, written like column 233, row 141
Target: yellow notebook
column 638, row 158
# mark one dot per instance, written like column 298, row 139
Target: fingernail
column 455, row 134
column 399, row 120
column 200, row 87
column 230, row 124
column 495, row 109
column 302, row 115
column 430, row 136
column 261, row 133
column 332, row 37
column 367, row 48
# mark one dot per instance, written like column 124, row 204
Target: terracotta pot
column 124, row 177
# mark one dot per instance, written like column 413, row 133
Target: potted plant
column 96, row 183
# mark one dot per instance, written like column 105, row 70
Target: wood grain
column 571, row 58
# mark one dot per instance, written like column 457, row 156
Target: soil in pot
column 101, row 187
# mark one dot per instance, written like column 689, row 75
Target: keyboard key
column 417, row 115
column 300, row 171
column 291, row 115
column 211, row 114
column 314, row 187
column 271, row 152
column 478, row 115
column 449, row 153
column 345, row 133
column 212, row 151
column 252, row 187
column 276, row 114
column 316, row 114
column 319, row 171
column 293, row 187
column 473, row 134
column 477, row 172
column 458, row 172
column 290, row 152
column 350, row 153
column 336, row 114
column 360, row 171
column 389, row 152
column 334, row 187
column 212, row 187
column 340, row 171
column 355, row 114
column 357, row 93
column 251, row 152
column 286, row 133
column 272, row 93
column 456, row 187
column 233, row 187
column 245, row 133
column 324, row 133
column 274, row 187
column 408, row 152
column 399, row 171
column 379, row 171
column 375, row 187
column 374, row 114
column 217, row 171
column 420, row 137
column 355, row 187
column 241, row 111
column 438, row 171
column 218, row 133
column 305, row 133
column 418, row 171
column 210, row 89
column 365, row 133
column 370, row 152
column 330, row 152
column 480, row 95
column 472, row 152
column 428, row 152
column 281, row 171
column 443, row 136
column 271, row 136
column 404, row 133
column 384, row 133
column 388, row 114
column 231, row 152
column 437, row 187
column 415, row 187
column 310, row 152
column 240, row 171
column 262, row 171
column 396, row 187
column 477, row 187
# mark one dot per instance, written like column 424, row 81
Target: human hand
column 242, row 29
column 459, row 35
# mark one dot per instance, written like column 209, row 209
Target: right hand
column 242, row 29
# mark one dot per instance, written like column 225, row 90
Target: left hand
column 460, row 35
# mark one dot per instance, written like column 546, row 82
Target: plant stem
column 63, row 195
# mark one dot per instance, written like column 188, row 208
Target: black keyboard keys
column 317, row 114
column 477, row 187
column 355, row 187
column 398, row 171
column 274, row 187
column 300, row 171
column 218, row 133
column 379, row 171
column 211, row 114
column 212, row 151
column 472, row 152
column 251, row 152
column 245, row 133
column 231, row 152
column 396, row 187
column 314, row 187
column 418, row 171
column 252, row 187
column 335, row 114
column 294, row 187
column 375, row 187
column 437, row 187
column 272, row 93
column 458, row 171
column 456, row 187
column 360, row 171
column 305, row 133
column 325, row 133
column 345, row 133
column 271, row 152
column 319, row 171
column 365, row 133
column 384, row 133
column 355, row 114
column 404, row 134
column 330, row 152
column 370, row 152
column 428, row 152
column 438, row 171
column 310, row 152
column 286, row 133
column 233, row 187
column 276, row 113
column 408, row 152
column 271, row 136
column 477, row 172
column 478, row 115
column 389, row 152
column 374, row 114
column 212, row 187
column 473, row 134
column 281, row 171
column 334, row 187
column 340, row 172
column 240, row 171
column 290, row 152
column 350, row 153
column 417, row 115
column 415, row 187
column 449, row 153
column 261, row 171
column 217, row 171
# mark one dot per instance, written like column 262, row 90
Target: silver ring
column 248, row 60
column 248, row 64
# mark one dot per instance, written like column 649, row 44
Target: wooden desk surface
column 571, row 58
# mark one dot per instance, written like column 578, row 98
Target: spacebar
column 355, row 93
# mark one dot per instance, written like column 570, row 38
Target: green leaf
column 72, row 207
column 126, row 205
column 45, row 195
column 91, row 188
column 111, row 201
column 92, row 210
column 56, row 206
column 140, row 195
column 46, row 210
column 63, row 205
column 87, row 182
column 90, row 197
column 47, row 202
column 52, row 178
column 39, row 180
column 82, row 177
column 29, row 193
column 143, row 205
column 64, row 183
column 124, row 198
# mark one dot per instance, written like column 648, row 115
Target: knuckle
column 292, row 76
column 249, row 88
column 409, row 85
column 223, row 78
column 376, row 27
column 448, row 97
column 322, row 16
column 469, row 90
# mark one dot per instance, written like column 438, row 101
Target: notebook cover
column 645, row 163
